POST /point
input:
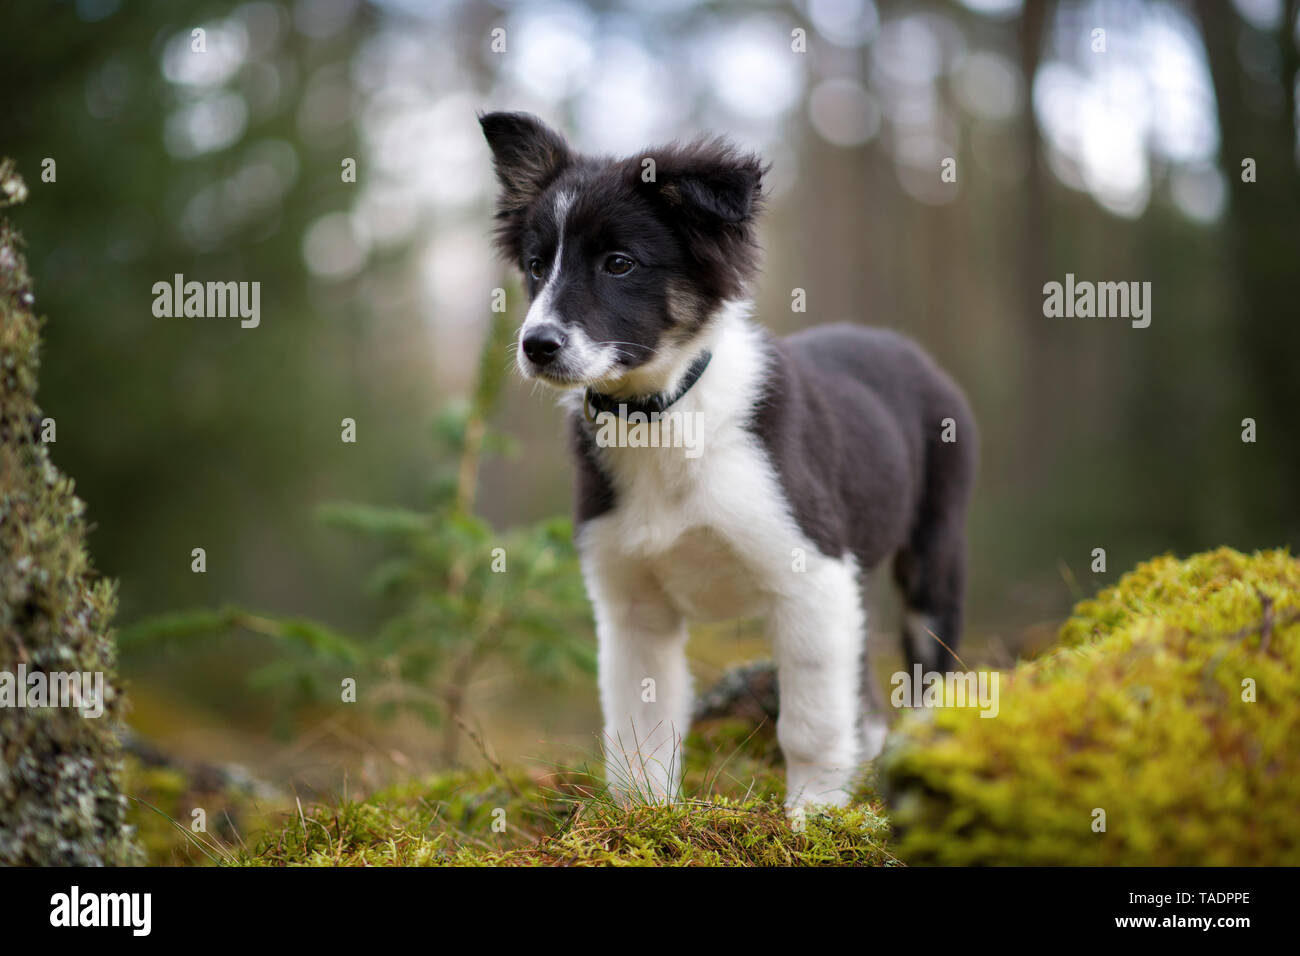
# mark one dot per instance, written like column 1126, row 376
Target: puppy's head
column 625, row 261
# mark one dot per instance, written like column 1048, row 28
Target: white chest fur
column 709, row 524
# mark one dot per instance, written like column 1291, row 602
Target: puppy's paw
column 801, row 814
column 811, row 785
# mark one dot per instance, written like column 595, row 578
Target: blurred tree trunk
column 59, row 800
column 1040, row 352
column 1263, row 231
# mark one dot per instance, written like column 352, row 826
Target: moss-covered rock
column 59, row 798
column 1173, row 705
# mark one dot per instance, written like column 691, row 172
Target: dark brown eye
column 535, row 268
column 618, row 265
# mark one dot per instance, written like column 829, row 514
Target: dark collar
column 596, row 403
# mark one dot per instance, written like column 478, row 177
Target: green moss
column 1140, row 714
column 60, row 802
column 441, row 825
column 714, row 832
column 562, row 819
column 420, row 823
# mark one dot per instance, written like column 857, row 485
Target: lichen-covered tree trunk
column 59, row 799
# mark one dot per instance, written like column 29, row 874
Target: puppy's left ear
column 710, row 183
column 713, row 192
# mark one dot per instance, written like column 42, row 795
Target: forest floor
column 731, row 815
column 1184, row 671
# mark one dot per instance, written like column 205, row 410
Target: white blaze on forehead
column 542, row 311
column 582, row 357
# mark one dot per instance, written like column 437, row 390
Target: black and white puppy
column 811, row 460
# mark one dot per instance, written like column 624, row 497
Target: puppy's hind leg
column 931, row 584
column 873, row 714
column 931, row 569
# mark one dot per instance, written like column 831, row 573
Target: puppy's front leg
column 818, row 633
column 645, row 684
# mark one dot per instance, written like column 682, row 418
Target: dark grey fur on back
column 853, row 421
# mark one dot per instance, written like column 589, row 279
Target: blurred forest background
column 1122, row 164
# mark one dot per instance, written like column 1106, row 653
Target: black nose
column 543, row 345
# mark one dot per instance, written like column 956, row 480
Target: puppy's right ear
column 527, row 156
